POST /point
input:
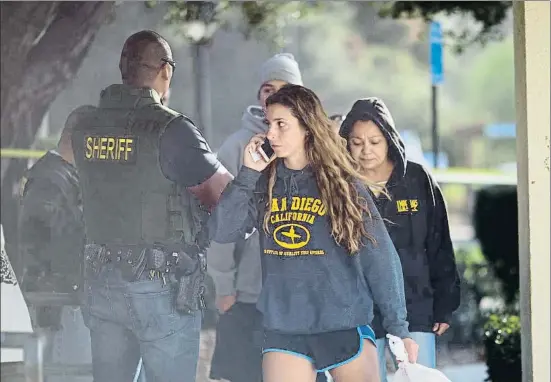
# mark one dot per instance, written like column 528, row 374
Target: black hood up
column 374, row 109
column 417, row 222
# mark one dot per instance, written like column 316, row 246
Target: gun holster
column 186, row 271
column 191, row 287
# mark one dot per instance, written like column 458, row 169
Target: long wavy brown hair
column 334, row 168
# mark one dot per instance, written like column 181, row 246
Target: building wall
column 532, row 65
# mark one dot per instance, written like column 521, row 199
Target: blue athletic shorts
column 326, row 351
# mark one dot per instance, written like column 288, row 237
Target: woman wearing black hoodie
column 415, row 215
column 326, row 255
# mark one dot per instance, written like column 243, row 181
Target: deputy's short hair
column 140, row 54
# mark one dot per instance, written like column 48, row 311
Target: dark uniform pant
column 129, row 320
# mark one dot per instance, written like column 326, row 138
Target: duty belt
column 175, row 265
column 118, row 253
column 141, row 258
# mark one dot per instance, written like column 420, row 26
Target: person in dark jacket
column 326, row 255
column 52, row 235
column 415, row 214
column 51, row 225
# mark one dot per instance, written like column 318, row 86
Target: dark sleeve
column 236, row 212
column 443, row 269
column 41, row 213
column 185, row 155
column 383, row 273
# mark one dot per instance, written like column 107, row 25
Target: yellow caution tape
column 455, row 175
column 21, row 153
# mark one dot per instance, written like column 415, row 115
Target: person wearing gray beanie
column 281, row 67
column 277, row 71
column 235, row 268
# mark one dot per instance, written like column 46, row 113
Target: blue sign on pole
column 436, row 52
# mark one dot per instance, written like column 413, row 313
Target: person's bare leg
column 364, row 368
column 278, row 367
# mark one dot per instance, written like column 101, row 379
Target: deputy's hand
column 412, row 349
column 440, row 328
column 224, row 303
column 252, row 147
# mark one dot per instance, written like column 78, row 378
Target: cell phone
column 266, row 150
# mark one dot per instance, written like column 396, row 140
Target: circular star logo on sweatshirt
column 291, row 236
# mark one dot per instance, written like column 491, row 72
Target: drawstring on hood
column 291, row 177
column 290, row 184
column 374, row 109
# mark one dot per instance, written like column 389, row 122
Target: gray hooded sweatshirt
column 311, row 284
column 235, row 267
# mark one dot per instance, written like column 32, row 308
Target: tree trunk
column 43, row 45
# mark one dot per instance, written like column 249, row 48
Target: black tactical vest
column 127, row 200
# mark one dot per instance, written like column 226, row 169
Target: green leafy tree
column 502, row 334
column 490, row 84
column 265, row 20
column 344, row 67
column 488, row 16
column 480, row 90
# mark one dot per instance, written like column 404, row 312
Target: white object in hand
column 256, row 156
column 411, row 372
column 397, row 348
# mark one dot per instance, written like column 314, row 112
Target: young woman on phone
column 326, row 255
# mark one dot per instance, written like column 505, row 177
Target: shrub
column 478, row 283
column 496, row 227
column 502, row 345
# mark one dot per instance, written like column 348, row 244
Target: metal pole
column 33, row 351
column 435, row 142
column 201, row 65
